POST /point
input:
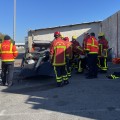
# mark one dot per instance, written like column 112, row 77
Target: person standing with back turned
column 92, row 51
column 8, row 53
column 58, row 53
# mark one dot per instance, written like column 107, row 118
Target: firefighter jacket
column 58, row 52
column 84, row 44
column 92, row 45
column 75, row 44
column 69, row 49
column 103, row 47
column 77, row 49
column 0, row 52
column 8, row 51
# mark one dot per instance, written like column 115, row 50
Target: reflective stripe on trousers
column 60, row 73
column 79, row 66
column 102, row 63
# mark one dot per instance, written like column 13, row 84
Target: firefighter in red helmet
column 58, row 53
column 69, row 57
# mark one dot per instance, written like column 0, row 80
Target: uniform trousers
column 7, row 73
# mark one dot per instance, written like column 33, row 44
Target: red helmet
column 57, row 33
column 66, row 38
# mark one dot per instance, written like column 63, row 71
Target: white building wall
column 66, row 31
column 110, row 26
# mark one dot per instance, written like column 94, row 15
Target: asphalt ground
column 38, row 98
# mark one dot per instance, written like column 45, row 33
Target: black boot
column 66, row 82
column 59, row 84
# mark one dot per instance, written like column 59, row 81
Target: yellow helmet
column 62, row 36
column 101, row 34
column 74, row 37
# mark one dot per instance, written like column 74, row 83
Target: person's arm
column 0, row 50
column 51, row 50
column 15, row 52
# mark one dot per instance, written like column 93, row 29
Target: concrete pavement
column 82, row 99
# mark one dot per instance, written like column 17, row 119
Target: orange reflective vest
column 92, row 45
column 58, row 50
column 8, row 51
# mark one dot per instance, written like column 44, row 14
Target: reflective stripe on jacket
column 103, row 47
column 8, row 51
column 58, row 51
column 92, row 45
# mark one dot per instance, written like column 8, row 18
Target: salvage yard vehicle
column 37, row 63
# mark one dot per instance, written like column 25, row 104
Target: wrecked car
column 37, row 63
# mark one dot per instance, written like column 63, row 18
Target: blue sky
column 36, row 14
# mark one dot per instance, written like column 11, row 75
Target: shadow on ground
column 95, row 99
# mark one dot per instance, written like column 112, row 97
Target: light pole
column 14, row 21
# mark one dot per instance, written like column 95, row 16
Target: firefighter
column 76, row 56
column 103, row 53
column 8, row 54
column 77, row 51
column 92, row 51
column 84, row 44
column 69, row 57
column 58, row 53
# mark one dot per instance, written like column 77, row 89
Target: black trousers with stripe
column 61, row 73
column 103, row 63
